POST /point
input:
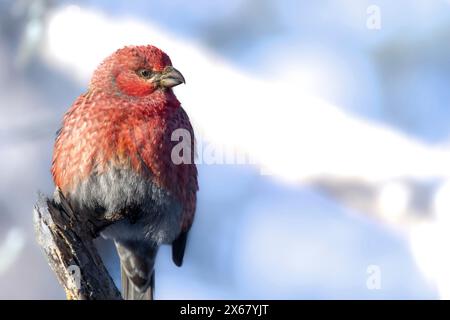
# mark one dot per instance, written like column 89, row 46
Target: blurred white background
column 347, row 128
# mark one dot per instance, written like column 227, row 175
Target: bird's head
column 136, row 71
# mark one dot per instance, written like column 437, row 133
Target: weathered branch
column 68, row 244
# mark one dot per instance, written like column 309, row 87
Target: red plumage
column 125, row 121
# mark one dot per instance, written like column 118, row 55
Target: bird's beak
column 171, row 77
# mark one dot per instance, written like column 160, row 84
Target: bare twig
column 68, row 244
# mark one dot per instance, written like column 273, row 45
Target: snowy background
column 345, row 119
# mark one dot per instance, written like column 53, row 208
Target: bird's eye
column 145, row 73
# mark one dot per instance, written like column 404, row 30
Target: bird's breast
column 116, row 161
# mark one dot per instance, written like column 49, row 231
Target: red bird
column 113, row 161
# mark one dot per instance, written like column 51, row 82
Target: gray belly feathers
column 142, row 211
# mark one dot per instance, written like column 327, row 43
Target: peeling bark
column 67, row 242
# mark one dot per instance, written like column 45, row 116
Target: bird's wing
column 189, row 193
column 178, row 247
